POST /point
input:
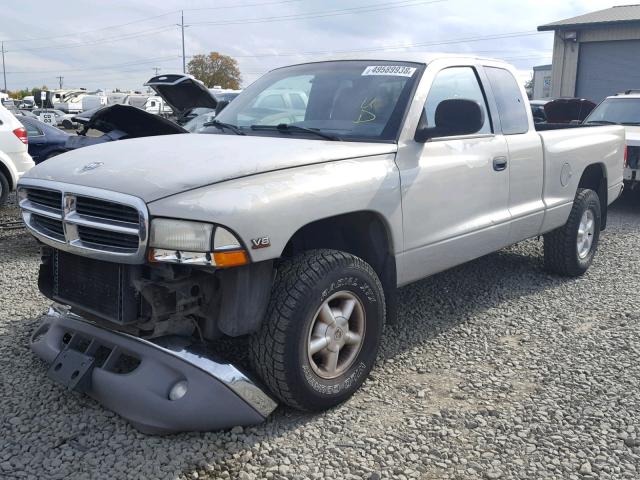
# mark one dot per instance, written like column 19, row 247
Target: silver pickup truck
column 291, row 225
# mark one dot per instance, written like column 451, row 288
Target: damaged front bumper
column 162, row 386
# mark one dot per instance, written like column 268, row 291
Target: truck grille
column 105, row 238
column 50, row 225
column 105, row 209
column 102, row 289
column 47, row 198
column 104, row 225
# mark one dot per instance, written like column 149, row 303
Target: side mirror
column 456, row 116
column 221, row 105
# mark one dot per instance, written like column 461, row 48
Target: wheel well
column 5, row 171
column 594, row 178
column 363, row 234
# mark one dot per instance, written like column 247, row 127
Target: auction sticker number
column 393, row 70
column 47, row 118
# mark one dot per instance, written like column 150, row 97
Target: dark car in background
column 45, row 141
column 561, row 110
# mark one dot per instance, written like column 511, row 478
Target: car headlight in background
column 194, row 243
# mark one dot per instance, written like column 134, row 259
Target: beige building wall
column 566, row 54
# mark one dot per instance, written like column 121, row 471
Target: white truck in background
column 623, row 109
column 293, row 225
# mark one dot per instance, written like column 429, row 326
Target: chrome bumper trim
column 219, row 395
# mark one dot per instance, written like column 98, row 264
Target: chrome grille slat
column 50, row 226
column 104, row 209
column 48, row 198
column 107, row 239
column 84, row 220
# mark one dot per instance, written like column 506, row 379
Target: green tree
column 216, row 69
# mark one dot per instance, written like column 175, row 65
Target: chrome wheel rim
column 336, row 335
column 586, row 230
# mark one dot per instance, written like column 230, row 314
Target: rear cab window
column 511, row 106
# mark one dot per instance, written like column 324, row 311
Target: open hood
column 132, row 121
column 182, row 93
column 565, row 110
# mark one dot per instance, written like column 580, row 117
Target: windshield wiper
column 633, row 124
column 222, row 126
column 284, row 127
column 602, row 122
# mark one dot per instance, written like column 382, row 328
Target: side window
column 456, row 82
column 511, row 107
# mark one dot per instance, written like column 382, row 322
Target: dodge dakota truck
column 285, row 232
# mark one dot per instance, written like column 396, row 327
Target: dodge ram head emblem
column 262, row 242
column 90, row 166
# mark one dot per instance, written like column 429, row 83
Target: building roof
column 611, row 16
column 541, row 68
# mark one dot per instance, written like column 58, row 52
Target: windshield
column 616, row 110
column 358, row 100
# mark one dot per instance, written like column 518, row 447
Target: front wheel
column 569, row 250
column 320, row 336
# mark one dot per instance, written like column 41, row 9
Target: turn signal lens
column 230, row 258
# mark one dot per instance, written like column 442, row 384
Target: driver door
column 455, row 196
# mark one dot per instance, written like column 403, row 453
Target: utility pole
column 60, row 78
column 4, row 72
column 184, row 62
column 157, row 70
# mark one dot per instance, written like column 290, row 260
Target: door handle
column 500, row 164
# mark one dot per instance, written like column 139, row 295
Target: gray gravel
column 496, row 370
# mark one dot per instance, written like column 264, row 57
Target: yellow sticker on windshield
column 366, row 115
column 392, row 70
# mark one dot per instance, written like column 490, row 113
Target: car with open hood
column 183, row 93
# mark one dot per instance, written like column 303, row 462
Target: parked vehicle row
column 292, row 222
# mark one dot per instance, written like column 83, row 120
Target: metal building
column 596, row 54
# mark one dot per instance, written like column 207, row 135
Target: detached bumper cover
column 133, row 377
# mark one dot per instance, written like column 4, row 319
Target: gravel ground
column 495, row 370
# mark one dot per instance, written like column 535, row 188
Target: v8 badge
column 262, row 242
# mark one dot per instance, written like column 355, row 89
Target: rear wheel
column 4, row 189
column 569, row 250
column 320, row 337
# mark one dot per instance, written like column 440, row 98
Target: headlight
column 181, row 235
column 194, row 243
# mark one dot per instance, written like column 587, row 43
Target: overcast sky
column 117, row 43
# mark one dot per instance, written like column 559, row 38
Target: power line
column 398, row 47
column 146, row 19
column 128, row 36
column 104, row 67
column 331, row 13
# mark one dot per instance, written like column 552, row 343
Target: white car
column 64, row 120
column 623, row 109
column 14, row 158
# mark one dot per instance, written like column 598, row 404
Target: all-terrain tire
column 561, row 245
column 4, row 189
column 280, row 350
